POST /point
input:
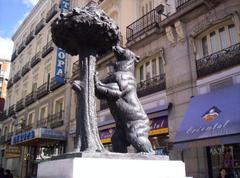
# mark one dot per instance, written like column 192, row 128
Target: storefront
column 38, row 145
column 212, row 121
column 158, row 134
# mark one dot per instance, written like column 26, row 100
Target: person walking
column 222, row 173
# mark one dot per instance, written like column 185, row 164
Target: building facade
column 189, row 51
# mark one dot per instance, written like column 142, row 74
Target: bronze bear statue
column 119, row 89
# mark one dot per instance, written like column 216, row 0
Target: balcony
column 39, row 26
column 3, row 115
column 9, row 136
column 55, row 84
column 14, row 56
column 56, row 120
column 146, row 25
column 75, row 70
column 30, row 98
column 221, row 60
column 29, row 38
column 20, row 105
column 21, row 47
column 28, row 127
column 43, row 122
column 2, row 140
column 26, row 68
column 53, row 11
column 151, row 85
column 11, row 110
column 42, row 90
column 17, row 76
column 36, row 59
column 10, row 83
column 47, row 48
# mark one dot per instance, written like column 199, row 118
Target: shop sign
column 60, row 66
column 65, row 6
column 106, row 135
column 11, row 152
column 28, row 135
column 158, row 126
column 52, row 134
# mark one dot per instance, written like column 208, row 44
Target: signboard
column 65, row 6
column 106, row 135
column 60, row 66
column 61, row 55
column 52, row 134
column 12, row 152
column 158, row 126
column 25, row 136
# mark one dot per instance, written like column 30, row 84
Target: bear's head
column 125, row 59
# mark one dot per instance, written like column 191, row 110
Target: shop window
column 148, row 71
column 227, row 156
column 160, row 144
column 154, row 67
column 219, row 38
column 141, row 73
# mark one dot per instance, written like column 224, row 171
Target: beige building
column 4, row 72
column 189, row 51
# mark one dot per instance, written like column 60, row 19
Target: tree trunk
column 86, row 121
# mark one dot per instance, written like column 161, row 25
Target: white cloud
column 6, row 47
column 30, row 2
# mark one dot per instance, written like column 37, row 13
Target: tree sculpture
column 87, row 32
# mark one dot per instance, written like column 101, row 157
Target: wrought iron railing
column 26, row 68
column 39, row 26
column 30, row 98
column 57, row 119
column 54, row 84
column 21, row 47
column 43, row 122
column 10, row 83
column 151, row 85
column 218, row 61
column 14, row 56
column 3, row 115
column 29, row 37
column 20, row 105
column 36, row 59
column 42, row 90
column 47, row 48
column 52, row 12
column 144, row 24
column 182, row 3
column 17, row 76
column 11, row 110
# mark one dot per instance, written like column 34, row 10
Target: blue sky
column 12, row 14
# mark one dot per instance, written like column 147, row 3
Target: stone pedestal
column 115, row 167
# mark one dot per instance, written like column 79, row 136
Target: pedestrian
column 8, row 174
column 222, row 173
column 1, row 172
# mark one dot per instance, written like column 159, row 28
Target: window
column 205, row 46
column 213, row 40
column 59, row 105
column 223, row 38
column 233, row 34
column 141, row 73
column 154, row 67
column 148, row 71
column 30, row 118
column 43, row 113
column 149, row 68
column 218, row 39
